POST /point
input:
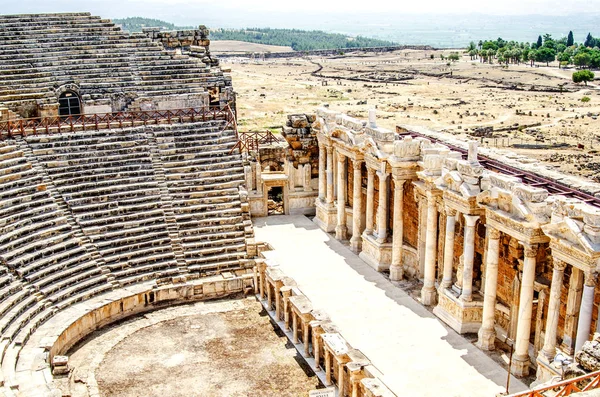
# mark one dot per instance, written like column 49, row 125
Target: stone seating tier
column 39, row 53
column 87, row 212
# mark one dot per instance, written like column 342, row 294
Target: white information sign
column 329, row 392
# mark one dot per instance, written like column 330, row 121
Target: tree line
column 546, row 49
column 299, row 40
column 136, row 24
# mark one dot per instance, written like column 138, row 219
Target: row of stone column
column 465, row 284
column 487, row 332
column 326, row 195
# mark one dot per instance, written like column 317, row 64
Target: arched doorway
column 69, row 104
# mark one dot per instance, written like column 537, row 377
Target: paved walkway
column 417, row 354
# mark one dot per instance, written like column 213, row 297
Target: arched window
column 69, row 104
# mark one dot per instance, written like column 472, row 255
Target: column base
column 486, row 339
column 546, row 369
column 376, row 255
column 396, row 273
column 463, row 317
column 326, row 217
column 520, row 366
column 341, row 232
column 356, row 244
column 568, row 345
column 428, row 296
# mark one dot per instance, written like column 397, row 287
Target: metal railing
column 252, row 139
column 566, row 387
column 84, row 122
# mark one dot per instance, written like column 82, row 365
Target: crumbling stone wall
column 302, row 140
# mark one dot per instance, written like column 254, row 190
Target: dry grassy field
column 232, row 46
column 536, row 111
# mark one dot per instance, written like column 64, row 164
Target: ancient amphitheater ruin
column 126, row 187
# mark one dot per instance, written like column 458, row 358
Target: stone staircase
column 167, row 206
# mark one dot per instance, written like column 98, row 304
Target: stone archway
column 69, row 104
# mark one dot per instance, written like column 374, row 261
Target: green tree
column 532, row 57
column 583, row 76
column 570, row 40
column 545, row 54
column 582, row 59
column 539, row 42
column 589, row 41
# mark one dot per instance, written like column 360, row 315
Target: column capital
column 590, row 279
column 493, row 233
column 471, row 220
column 340, row 157
column 329, row 149
column 370, row 171
column 431, row 199
column 357, row 164
column 399, row 183
column 559, row 265
column 451, row 212
column 529, row 250
column 382, row 175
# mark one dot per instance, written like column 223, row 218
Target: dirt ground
column 537, row 111
column 193, row 352
column 232, row 46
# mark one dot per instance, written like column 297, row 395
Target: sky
column 444, row 23
column 172, row 8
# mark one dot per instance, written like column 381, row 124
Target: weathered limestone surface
column 483, row 242
column 107, row 69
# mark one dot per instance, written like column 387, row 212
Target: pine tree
column 570, row 40
column 589, row 40
column 539, row 42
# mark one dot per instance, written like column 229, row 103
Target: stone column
column 573, row 303
column 259, row 184
column 248, row 177
column 327, row 368
column 521, row 355
column 291, row 176
column 469, row 256
column 449, row 247
column 585, row 311
column 322, row 172
column 355, row 241
column 396, row 271
column 428, row 291
column 487, row 332
column 340, row 230
column 370, row 199
column 549, row 349
column 307, row 178
column 382, row 213
column 329, row 173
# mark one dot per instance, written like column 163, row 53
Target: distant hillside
column 135, row 24
column 299, row 40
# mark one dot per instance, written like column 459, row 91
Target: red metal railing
column 566, row 387
column 49, row 125
column 252, row 139
column 526, row 177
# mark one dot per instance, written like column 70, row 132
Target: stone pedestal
column 462, row 316
column 546, row 369
column 375, row 254
column 326, row 217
